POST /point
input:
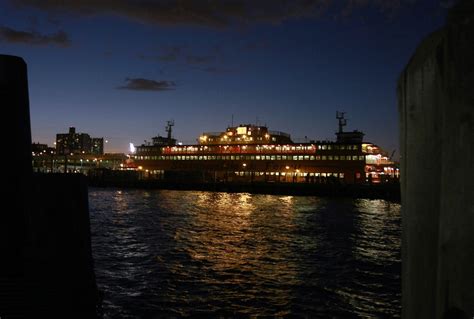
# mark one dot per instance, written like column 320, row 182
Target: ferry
column 253, row 153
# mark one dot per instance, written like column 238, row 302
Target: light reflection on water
column 179, row 253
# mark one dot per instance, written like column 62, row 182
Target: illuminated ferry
column 252, row 153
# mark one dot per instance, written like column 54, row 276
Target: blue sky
column 120, row 69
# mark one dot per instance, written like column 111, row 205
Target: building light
column 132, row 148
column 244, row 164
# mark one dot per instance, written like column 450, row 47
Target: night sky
column 119, row 69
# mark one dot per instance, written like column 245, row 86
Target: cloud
column 208, row 13
column 140, row 84
column 14, row 36
column 217, row 70
column 196, row 59
column 256, row 45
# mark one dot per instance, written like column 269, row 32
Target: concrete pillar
column 16, row 177
column 46, row 266
column 436, row 105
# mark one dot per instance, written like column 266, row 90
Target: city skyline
column 121, row 71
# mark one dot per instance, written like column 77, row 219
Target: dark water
column 188, row 253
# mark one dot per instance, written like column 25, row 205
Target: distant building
column 97, row 145
column 40, row 149
column 78, row 143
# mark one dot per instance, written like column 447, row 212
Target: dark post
column 17, row 182
column 46, row 266
column 436, row 105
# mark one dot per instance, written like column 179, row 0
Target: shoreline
column 388, row 191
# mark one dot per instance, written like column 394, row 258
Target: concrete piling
column 46, row 261
column 436, row 106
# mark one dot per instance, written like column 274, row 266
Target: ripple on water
column 181, row 253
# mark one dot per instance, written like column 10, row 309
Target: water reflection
column 201, row 253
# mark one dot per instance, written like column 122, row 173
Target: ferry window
column 324, row 147
column 306, row 157
column 320, row 147
column 316, row 174
column 204, row 158
column 336, row 157
column 311, row 157
column 186, row 157
column 323, row 157
column 272, row 157
column 283, row 157
column 330, row 157
column 318, row 157
column 295, row 158
column 278, row 157
column 354, row 158
column 274, row 139
column 257, row 157
column 355, row 147
column 232, row 157
column 342, row 147
column 200, row 157
column 323, row 174
column 311, row 174
column 329, row 147
column 300, row 157
column 361, row 158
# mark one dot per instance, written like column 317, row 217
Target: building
column 78, row 143
column 97, row 145
column 249, row 153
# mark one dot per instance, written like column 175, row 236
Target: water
column 190, row 253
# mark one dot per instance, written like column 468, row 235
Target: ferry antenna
column 342, row 120
column 169, row 128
